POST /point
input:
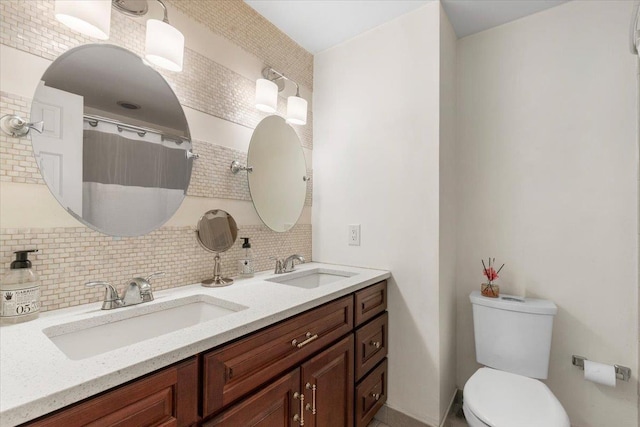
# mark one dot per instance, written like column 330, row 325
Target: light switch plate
column 354, row 235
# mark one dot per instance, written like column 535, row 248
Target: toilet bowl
column 501, row 399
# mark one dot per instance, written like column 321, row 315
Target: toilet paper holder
column 622, row 372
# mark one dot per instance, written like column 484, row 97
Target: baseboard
column 455, row 399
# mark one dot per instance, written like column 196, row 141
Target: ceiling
column 317, row 25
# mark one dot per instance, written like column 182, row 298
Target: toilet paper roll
column 600, row 373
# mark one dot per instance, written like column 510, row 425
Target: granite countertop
column 36, row 377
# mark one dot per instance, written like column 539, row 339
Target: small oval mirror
column 114, row 147
column 217, row 232
column 278, row 181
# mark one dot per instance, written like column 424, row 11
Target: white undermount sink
column 313, row 278
column 129, row 325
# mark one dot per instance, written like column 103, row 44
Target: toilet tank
column 513, row 334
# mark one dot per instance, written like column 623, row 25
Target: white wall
column 548, row 164
column 448, row 213
column 376, row 130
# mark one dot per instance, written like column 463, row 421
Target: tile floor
column 452, row 421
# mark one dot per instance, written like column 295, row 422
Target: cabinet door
column 167, row 399
column 327, row 381
column 273, row 406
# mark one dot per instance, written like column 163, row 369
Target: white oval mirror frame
column 278, row 180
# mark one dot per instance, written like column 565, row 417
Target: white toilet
column 513, row 338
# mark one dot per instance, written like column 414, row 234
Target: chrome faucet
column 287, row 265
column 137, row 291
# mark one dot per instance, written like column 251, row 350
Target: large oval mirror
column 114, row 147
column 278, row 181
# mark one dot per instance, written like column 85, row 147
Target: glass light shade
column 266, row 96
column 296, row 110
column 89, row 17
column 164, row 45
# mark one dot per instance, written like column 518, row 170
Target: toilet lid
column 502, row 399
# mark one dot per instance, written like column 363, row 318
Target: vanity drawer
column 370, row 302
column 166, row 398
column 236, row 369
column 371, row 344
column 371, row 394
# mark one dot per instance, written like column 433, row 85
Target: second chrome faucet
column 137, row 291
column 287, row 265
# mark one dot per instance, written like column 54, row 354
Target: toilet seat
column 502, row 399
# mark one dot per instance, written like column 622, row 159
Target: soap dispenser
column 19, row 291
column 245, row 264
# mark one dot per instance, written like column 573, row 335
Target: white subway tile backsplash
column 69, row 257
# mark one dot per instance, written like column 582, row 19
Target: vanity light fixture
column 267, row 96
column 90, row 17
column 297, row 109
column 164, row 45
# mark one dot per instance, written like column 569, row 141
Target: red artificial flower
column 490, row 273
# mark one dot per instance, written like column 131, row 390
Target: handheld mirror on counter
column 278, row 179
column 115, row 150
column 217, row 232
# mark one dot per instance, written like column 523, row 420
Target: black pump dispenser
column 246, row 243
column 22, row 260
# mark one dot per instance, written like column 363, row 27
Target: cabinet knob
column 376, row 344
column 376, row 396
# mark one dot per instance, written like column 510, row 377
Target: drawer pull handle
column 376, row 396
column 376, row 344
column 310, row 338
column 299, row 418
column 313, row 389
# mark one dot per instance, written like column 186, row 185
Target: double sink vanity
column 302, row 348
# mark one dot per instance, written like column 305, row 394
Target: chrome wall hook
column 14, row 125
column 237, row 167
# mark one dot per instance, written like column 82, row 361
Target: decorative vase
column 490, row 290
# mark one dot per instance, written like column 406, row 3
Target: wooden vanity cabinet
column 168, row 398
column 325, row 367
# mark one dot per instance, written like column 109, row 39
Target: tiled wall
column 235, row 21
column 71, row 256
